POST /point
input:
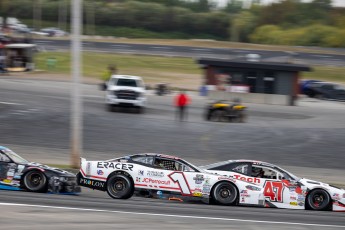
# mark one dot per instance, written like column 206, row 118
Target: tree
column 242, row 26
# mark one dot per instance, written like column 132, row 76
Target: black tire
column 320, row 96
column 35, row 181
column 120, row 186
column 140, row 110
column 242, row 117
column 318, row 199
column 109, row 108
column 224, row 193
column 218, row 115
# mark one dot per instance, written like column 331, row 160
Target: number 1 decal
column 274, row 190
column 182, row 183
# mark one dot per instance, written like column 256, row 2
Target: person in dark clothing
column 181, row 102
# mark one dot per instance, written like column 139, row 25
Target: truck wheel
column 218, row 115
column 140, row 110
column 35, row 181
column 225, row 193
column 120, row 187
column 109, row 108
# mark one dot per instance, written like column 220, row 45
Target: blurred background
column 167, row 43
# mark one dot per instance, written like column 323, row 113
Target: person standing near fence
column 181, row 102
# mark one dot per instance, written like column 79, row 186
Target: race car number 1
column 178, row 177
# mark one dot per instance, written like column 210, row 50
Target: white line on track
column 9, row 103
column 170, row 215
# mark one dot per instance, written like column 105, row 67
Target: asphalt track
column 308, row 139
column 312, row 58
column 95, row 210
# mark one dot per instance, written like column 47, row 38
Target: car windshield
column 292, row 176
column 15, row 157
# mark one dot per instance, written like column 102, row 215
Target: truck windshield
column 127, row 82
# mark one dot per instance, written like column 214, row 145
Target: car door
column 279, row 189
column 179, row 177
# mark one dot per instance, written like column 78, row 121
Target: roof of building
column 253, row 65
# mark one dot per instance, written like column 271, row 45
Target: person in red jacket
column 181, row 102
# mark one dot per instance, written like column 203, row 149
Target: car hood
column 311, row 184
column 58, row 171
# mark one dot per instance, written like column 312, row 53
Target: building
column 252, row 81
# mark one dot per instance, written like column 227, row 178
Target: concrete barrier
column 258, row 98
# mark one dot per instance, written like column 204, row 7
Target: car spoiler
column 82, row 160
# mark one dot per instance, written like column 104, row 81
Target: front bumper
column 339, row 205
column 112, row 100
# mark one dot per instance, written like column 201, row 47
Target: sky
column 338, row 3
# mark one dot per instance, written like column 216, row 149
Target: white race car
column 165, row 175
column 281, row 188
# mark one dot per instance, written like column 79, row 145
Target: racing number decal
column 182, row 182
column 274, row 190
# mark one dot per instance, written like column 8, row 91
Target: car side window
column 168, row 164
column 266, row 172
column 143, row 159
column 240, row 168
column 4, row 158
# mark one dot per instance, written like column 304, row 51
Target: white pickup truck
column 125, row 91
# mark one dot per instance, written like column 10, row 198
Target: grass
column 154, row 69
column 326, row 73
column 179, row 72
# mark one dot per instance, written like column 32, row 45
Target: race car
column 168, row 177
column 16, row 173
column 281, row 188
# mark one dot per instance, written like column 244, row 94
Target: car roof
column 239, row 161
column 126, row 77
column 157, row 155
column 3, row 148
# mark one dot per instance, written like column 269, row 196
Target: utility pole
column 77, row 109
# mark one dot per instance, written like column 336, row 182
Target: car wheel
column 318, row 199
column 225, row 193
column 35, row 181
column 120, row 187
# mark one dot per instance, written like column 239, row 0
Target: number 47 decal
column 274, row 190
column 180, row 179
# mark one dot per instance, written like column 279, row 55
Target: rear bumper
column 63, row 185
